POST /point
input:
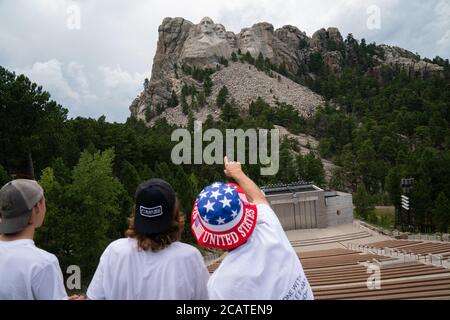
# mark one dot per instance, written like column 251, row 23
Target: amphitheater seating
column 337, row 274
column 357, row 274
column 332, row 239
column 342, row 277
column 438, row 288
column 342, row 260
column 419, row 248
column 392, row 244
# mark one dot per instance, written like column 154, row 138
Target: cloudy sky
column 95, row 63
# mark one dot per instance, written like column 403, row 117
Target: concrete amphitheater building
column 306, row 206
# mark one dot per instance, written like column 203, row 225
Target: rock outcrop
column 208, row 44
column 412, row 64
column 245, row 84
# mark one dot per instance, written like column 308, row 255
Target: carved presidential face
column 220, row 31
column 206, row 26
column 248, row 38
column 231, row 38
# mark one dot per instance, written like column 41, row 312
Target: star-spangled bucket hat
column 222, row 217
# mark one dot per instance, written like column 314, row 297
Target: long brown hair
column 158, row 242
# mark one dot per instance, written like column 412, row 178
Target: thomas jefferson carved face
column 220, row 31
column 206, row 26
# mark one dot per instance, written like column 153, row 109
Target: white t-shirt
column 266, row 267
column 126, row 273
column 29, row 273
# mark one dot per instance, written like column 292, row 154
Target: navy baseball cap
column 155, row 204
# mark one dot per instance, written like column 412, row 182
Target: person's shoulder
column 185, row 250
column 43, row 256
column 264, row 207
column 265, row 211
column 123, row 245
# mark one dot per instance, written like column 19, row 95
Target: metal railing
column 210, row 258
column 429, row 237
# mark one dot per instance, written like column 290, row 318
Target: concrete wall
column 300, row 210
column 315, row 209
column 342, row 202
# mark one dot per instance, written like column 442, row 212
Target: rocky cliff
column 209, row 46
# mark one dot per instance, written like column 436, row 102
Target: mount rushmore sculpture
column 206, row 44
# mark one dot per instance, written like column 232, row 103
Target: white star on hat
column 209, row 206
column 206, row 219
column 215, row 194
column 235, row 213
column 229, row 190
column 204, row 194
column 226, row 202
column 220, row 220
column 216, row 185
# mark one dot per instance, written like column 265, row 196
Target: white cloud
column 116, row 77
column 69, row 85
column 50, row 75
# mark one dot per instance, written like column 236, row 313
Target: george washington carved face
column 207, row 40
column 206, row 26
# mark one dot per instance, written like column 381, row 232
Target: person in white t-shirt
column 26, row 272
column 261, row 263
column 151, row 263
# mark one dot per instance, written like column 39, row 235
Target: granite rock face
column 395, row 56
column 207, row 44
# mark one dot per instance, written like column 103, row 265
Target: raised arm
column 234, row 170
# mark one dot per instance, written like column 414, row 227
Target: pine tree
column 363, row 202
column 229, row 112
column 148, row 113
column 184, row 105
column 234, row 57
column 201, row 98
column 260, row 65
column 222, row 97
column 173, row 102
column 311, row 169
column 441, row 213
column 4, row 177
column 282, row 69
column 129, row 177
column 207, row 86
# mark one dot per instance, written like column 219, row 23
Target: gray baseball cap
column 17, row 199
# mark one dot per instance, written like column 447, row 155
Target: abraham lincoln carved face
column 247, row 41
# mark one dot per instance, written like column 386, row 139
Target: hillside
column 275, row 55
column 245, row 84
